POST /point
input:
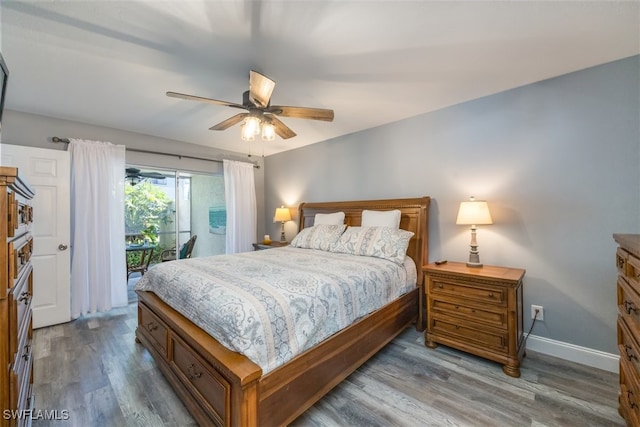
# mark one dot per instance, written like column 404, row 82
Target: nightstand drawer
column 484, row 337
column 497, row 318
column 467, row 291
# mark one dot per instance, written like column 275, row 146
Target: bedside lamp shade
column 474, row 212
column 283, row 215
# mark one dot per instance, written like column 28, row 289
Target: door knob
column 62, row 247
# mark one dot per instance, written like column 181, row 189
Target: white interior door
column 47, row 171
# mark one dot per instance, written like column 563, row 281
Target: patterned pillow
column 379, row 242
column 322, row 237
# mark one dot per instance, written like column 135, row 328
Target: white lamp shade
column 282, row 214
column 474, row 213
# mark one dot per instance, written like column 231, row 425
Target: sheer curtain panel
column 240, row 201
column 98, row 268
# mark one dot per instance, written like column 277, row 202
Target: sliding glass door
column 202, row 212
column 178, row 214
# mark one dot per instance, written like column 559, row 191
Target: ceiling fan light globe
column 268, row 132
column 252, row 124
column 246, row 133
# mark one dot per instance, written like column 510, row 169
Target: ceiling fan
column 133, row 175
column 261, row 115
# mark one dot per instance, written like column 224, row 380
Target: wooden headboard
column 414, row 217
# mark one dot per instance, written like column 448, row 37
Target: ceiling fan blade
column 201, row 99
column 155, row 175
column 225, row 124
column 282, row 130
column 302, row 112
column 260, row 88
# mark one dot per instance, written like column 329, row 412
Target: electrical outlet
column 540, row 310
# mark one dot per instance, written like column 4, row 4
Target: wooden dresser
column 16, row 363
column 477, row 310
column 628, row 264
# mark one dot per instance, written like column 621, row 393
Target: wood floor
column 93, row 368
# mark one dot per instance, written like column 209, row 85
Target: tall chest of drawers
column 16, row 278
column 628, row 264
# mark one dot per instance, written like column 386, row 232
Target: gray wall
column 20, row 128
column 558, row 161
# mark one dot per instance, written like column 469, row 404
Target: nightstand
column 477, row 310
column 273, row 244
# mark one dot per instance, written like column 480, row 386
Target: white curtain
column 98, row 267
column 240, row 201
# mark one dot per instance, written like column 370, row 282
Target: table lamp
column 283, row 215
column 474, row 212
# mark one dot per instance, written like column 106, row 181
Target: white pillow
column 323, row 237
column 381, row 218
column 331, row 219
column 379, row 242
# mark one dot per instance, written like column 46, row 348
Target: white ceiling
column 110, row 63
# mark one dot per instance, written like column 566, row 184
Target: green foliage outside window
column 147, row 209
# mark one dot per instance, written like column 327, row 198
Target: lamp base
column 283, row 239
column 474, row 255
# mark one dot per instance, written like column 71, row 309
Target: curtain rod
column 180, row 156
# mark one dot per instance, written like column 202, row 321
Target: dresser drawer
column 471, row 335
column 207, row 385
column 628, row 347
column 629, row 305
column 20, row 309
column 621, row 261
column 19, row 214
column 633, row 271
column 460, row 291
column 629, row 398
column 20, row 251
column 483, row 314
column 21, row 377
column 153, row 327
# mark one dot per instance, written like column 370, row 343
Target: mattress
column 272, row 305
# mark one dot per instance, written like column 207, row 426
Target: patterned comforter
column 274, row 304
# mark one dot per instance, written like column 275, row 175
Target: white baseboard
column 574, row 353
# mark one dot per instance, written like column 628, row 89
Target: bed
column 222, row 387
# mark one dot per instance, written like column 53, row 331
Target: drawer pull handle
column 457, row 326
column 629, row 307
column 490, row 295
column 620, row 262
column 457, row 307
column 151, row 326
column 193, row 375
column 632, row 404
column 24, row 297
column 630, row 355
column 440, row 286
column 27, row 352
column 473, row 310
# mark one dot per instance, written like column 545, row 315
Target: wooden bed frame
column 221, row 387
